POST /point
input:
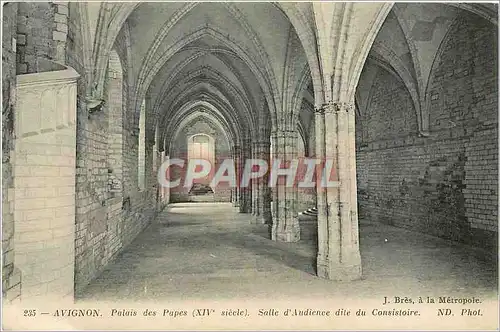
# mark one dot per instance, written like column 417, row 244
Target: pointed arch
column 361, row 53
column 221, row 37
column 388, row 60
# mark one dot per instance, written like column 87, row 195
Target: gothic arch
column 216, row 78
column 361, row 53
column 191, row 111
column 478, row 9
column 386, row 59
column 208, row 92
column 194, row 114
column 219, row 36
column 436, row 60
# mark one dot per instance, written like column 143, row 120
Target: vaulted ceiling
column 236, row 57
column 408, row 44
column 243, row 62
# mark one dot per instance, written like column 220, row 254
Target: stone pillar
column 263, row 213
column 285, row 226
column 241, row 191
column 166, row 191
column 273, row 192
column 338, row 254
column 237, row 164
column 255, row 184
column 249, row 189
column 322, row 258
column 245, row 192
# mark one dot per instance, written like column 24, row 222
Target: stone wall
column 44, row 168
column 32, row 32
column 42, row 29
column 469, row 93
column 11, row 283
column 444, row 184
column 106, row 220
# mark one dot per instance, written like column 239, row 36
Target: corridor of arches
column 98, row 96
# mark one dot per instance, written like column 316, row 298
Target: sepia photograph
column 241, row 165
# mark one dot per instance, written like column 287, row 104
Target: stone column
column 262, row 199
column 322, row 258
column 249, row 189
column 241, row 190
column 237, row 164
column 168, row 191
column 339, row 248
column 264, row 192
column 273, row 193
column 285, row 226
column 255, row 184
column 245, row 192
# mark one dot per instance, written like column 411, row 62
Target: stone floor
column 209, row 250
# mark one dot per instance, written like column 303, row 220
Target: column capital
column 284, row 131
column 318, row 110
column 344, row 107
column 262, row 143
column 335, row 107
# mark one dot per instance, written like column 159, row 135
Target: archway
column 201, row 147
column 413, row 131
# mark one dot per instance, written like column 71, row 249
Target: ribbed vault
column 224, row 50
column 196, row 110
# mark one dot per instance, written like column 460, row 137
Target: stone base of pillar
column 236, row 204
column 262, row 220
column 266, row 217
column 290, row 235
column 268, row 220
column 321, row 267
column 338, row 271
column 257, row 219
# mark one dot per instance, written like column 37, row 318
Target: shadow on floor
column 194, row 248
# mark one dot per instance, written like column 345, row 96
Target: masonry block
column 437, row 184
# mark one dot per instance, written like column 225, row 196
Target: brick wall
column 11, row 285
column 32, row 31
column 445, row 184
column 473, row 99
column 107, row 221
column 42, row 28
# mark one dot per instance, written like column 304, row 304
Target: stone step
column 202, row 198
column 312, row 213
